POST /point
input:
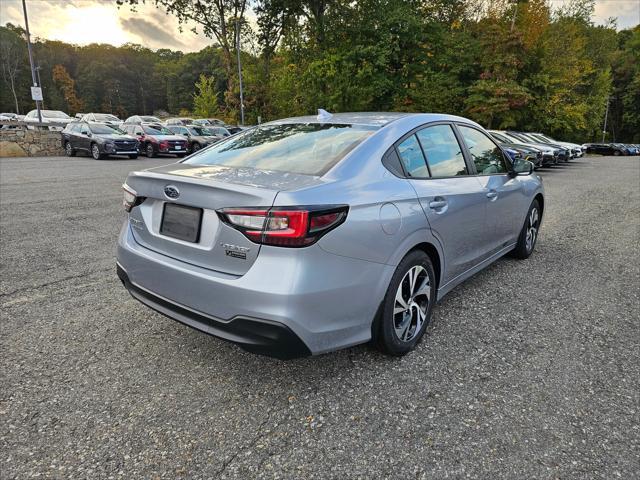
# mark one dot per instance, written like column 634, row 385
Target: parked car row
column 539, row 149
column 616, row 149
column 100, row 139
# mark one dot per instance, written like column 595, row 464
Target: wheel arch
column 434, row 255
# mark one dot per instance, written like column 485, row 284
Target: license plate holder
column 181, row 222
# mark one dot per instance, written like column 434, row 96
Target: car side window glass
column 412, row 158
column 487, row 156
column 444, row 155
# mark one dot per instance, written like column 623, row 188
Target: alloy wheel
column 411, row 303
column 69, row 149
column 532, row 229
column 95, row 151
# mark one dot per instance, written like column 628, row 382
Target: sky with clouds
column 101, row 21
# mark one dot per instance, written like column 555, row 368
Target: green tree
column 205, row 101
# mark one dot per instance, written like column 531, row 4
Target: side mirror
column 523, row 167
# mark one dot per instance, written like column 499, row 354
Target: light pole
column 33, row 70
column 606, row 115
column 240, row 73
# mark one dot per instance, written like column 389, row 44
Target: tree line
column 504, row 63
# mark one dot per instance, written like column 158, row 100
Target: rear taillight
column 131, row 198
column 284, row 226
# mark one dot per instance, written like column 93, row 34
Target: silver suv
column 310, row 234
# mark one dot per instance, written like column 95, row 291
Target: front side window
column 412, row 158
column 486, row 155
column 443, row 151
column 306, row 148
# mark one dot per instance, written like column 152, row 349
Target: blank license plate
column 181, row 222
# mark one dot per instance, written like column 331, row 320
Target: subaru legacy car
column 310, row 234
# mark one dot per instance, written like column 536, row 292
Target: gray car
column 310, row 234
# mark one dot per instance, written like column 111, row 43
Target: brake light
column 284, row 226
column 131, row 198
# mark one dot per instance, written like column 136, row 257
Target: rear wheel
column 529, row 233
column 95, row 152
column 149, row 150
column 68, row 149
column 406, row 309
column 616, row 153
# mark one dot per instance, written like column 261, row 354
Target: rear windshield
column 105, row 117
column 307, row 148
column 54, row 114
column 150, row 119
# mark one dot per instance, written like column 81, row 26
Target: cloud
column 149, row 32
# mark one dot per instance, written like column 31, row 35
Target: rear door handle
column 435, row 204
column 492, row 194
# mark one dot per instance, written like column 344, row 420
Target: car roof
column 377, row 119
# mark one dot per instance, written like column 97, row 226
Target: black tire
column 617, row 153
column 195, row 147
column 133, row 157
column 525, row 246
column 95, row 152
column 387, row 324
column 180, row 155
column 69, row 150
column 150, row 151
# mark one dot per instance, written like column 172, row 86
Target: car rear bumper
column 291, row 302
column 257, row 336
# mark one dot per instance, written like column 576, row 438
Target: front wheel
column 195, row 147
column 617, row 153
column 95, row 152
column 68, row 149
column 529, row 233
column 149, row 150
column 406, row 309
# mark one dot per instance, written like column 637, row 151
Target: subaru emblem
column 171, row 192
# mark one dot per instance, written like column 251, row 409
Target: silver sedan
column 310, row 234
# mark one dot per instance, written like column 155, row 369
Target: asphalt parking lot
column 529, row 370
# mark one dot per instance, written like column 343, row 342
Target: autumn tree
column 68, row 87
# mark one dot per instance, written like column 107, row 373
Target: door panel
column 505, row 206
column 456, row 211
column 503, row 192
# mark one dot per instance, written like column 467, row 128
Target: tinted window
column 486, row 155
column 412, row 158
column 307, row 148
column 443, row 151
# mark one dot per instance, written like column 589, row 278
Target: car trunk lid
column 191, row 194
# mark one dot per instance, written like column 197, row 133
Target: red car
column 155, row 139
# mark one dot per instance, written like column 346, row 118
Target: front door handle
column 435, row 204
column 491, row 194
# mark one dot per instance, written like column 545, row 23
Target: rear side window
column 412, row 158
column 443, row 151
column 306, row 148
column 487, row 156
